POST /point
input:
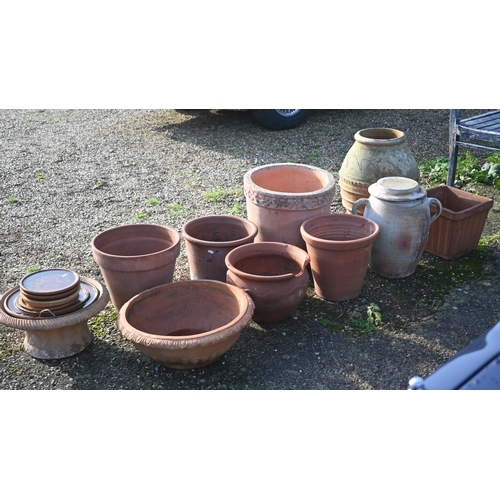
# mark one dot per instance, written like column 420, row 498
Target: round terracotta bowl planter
column 273, row 274
column 135, row 257
column 208, row 241
column 186, row 324
column 339, row 246
column 280, row 197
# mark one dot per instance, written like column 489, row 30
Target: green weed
column 13, row 199
column 33, row 269
column 141, row 215
column 153, row 201
column 40, row 175
column 220, row 194
column 369, row 323
column 176, row 210
column 435, row 172
column 238, row 210
column 101, row 323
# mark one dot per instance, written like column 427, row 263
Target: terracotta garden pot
column 134, row 258
column 273, row 274
column 339, row 246
column 186, row 324
column 377, row 153
column 459, row 228
column 208, row 241
column 280, row 197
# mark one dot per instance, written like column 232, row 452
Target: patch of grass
column 12, row 199
column 220, row 194
column 153, row 201
column 141, row 215
column 312, row 156
column 238, row 209
column 435, row 172
column 40, row 175
column 33, row 269
column 484, row 241
column 98, row 185
column 101, row 323
column 176, row 210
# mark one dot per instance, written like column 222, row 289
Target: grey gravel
column 75, row 173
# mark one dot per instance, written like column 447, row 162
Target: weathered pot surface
column 402, row 210
column 279, row 197
column 375, row 154
column 339, row 246
column 209, row 239
column 186, row 324
column 273, row 274
column 133, row 258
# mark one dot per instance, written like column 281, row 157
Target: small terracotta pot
column 208, row 241
column 135, row 257
column 339, row 246
column 273, row 274
column 186, row 324
column 280, row 197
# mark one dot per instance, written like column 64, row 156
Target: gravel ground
column 75, row 173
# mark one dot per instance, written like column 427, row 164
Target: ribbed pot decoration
column 208, row 241
column 339, row 246
column 402, row 210
column 135, row 257
column 377, row 153
column 273, row 274
column 280, row 197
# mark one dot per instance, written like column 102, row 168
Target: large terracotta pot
column 135, row 257
column 402, row 210
column 208, row 241
column 186, row 324
column 339, row 246
column 273, row 274
column 377, row 153
column 280, row 197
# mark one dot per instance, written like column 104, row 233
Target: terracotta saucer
column 11, row 303
column 39, row 304
column 50, row 282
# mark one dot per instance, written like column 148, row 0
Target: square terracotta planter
column 458, row 230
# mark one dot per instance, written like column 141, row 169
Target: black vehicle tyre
column 281, row 119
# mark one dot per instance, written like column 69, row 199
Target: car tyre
column 281, row 119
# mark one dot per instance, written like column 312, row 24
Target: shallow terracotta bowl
column 186, row 324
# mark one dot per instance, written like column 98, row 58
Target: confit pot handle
column 307, row 261
column 439, row 206
column 357, row 204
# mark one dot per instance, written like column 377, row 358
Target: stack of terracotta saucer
column 51, row 292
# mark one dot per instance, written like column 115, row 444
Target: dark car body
column 477, row 366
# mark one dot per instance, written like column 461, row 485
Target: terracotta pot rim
column 352, row 244
column 175, row 237
column 173, row 342
column 265, row 248
column 249, row 225
column 326, row 176
column 369, row 136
